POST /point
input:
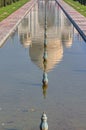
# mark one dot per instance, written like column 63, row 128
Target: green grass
column 77, row 6
column 9, row 9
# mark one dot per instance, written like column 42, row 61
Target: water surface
column 23, row 61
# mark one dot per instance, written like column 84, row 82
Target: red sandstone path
column 8, row 25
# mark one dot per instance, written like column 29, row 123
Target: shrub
column 6, row 2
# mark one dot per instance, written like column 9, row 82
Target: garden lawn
column 9, row 9
column 76, row 5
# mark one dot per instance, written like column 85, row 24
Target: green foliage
column 83, row 2
column 7, row 10
column 7, row 2
column 77, row 5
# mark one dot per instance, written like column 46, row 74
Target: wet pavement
column 8, row 25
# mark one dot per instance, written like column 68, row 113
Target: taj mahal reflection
column 35, row 93
column 45, row 31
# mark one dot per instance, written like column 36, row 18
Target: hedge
column 6, row 2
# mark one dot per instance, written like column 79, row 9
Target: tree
column 4, row 2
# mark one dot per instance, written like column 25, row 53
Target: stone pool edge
column 78, row 20
column 9, row 25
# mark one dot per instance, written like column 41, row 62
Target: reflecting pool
column 43, row 69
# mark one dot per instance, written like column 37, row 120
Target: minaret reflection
column 24, row 33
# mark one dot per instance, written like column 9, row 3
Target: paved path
column 8, row 25
column 75, row 17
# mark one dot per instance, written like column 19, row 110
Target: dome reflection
column 54, row 52
column 45, row 31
